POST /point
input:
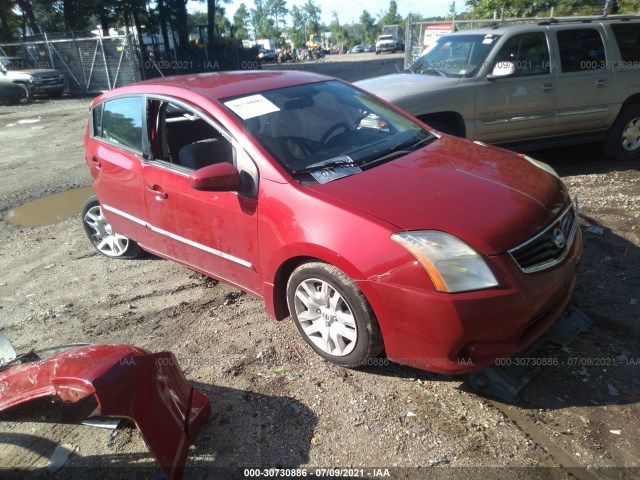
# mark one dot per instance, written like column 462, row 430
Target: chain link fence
column 90, row 63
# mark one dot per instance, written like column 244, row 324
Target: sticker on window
column 252, row 106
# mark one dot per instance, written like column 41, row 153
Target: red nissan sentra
column 372, row 231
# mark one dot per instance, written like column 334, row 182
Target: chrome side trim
column 519, row 118
column 582, row 111
column 186, row 241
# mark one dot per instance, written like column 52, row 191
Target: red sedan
column 371, row 230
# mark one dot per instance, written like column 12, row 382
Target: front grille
column 49, row 80
column 550, row 246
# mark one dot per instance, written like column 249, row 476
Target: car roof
column 218, row 85
column 502, row 28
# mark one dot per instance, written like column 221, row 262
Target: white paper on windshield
column 252, row 106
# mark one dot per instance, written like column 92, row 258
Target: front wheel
column 102, row 236
column 623, row 142
column 27, row 93
column 332, row 315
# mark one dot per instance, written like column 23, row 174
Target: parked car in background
column 357, row 49
column 338, row 209
column 267, row 56
column 337, row 49
column 33, row 80
column 529, row 86
column 371, row 47
column 10, row 92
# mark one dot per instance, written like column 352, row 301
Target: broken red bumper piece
column 127, row 382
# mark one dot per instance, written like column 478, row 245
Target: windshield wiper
column 398, row 150
column 430, row 71
column 341, row 161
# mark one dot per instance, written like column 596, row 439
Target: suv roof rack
column 561, row 20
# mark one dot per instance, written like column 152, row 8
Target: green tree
column 312, row 14
column 262, row 23
column 391, row 17
column 298, row 30
column 369, row 27
column 242, row 22
column 278, row 10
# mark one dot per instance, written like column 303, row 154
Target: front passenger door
column 521, row 106
column 212, row 232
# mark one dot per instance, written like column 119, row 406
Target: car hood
column 399, row 85
column 39, row 72
column 492, row 199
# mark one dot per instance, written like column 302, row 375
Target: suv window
column 628, row 38
column 121, row 122
column 581, row 50
column 528, row 52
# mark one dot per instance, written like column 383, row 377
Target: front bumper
column 57, row 87
column 386, row 48
column 464, row 332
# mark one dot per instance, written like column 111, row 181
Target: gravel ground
column 275, row 403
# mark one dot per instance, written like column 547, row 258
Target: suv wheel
column 333, row 315
column 103, row 238
column 623, row 142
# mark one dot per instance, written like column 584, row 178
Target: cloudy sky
column 350, row 10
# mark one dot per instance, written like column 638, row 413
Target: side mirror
column 502, row 70
column 219, row 177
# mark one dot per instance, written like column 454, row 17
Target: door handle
column 548, row 88
column 601, row 83
column 96, row 162
column 157, row 192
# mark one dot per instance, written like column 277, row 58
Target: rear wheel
column 623, row 142
column 102, row 236
column 333, row 315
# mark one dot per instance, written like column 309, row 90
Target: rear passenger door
column 212, row 232
column 585, row 80
column 116, row 156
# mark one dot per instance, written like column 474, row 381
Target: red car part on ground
column 128, row 382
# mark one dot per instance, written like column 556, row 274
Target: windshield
column 327, row 125
column 455, row 55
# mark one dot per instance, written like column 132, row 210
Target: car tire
column 623, row 140
column 102, row 237
column 333, row 315
column 27, row 93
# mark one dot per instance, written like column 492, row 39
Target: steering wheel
column 332, row 129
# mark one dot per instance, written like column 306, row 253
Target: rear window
column 581, row 49
column 628, row 38
column 121, row 122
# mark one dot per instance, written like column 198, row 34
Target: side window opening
column 183, row 138
column 581, row 50
column 628, row 38
column 120, row 122
column 528, row 52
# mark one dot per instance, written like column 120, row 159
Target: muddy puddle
column 49, row 209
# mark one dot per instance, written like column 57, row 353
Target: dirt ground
column 277, row 404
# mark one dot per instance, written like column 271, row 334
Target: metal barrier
column 90, row 63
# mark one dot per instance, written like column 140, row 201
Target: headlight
column 452, row 264
column 541, row 165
